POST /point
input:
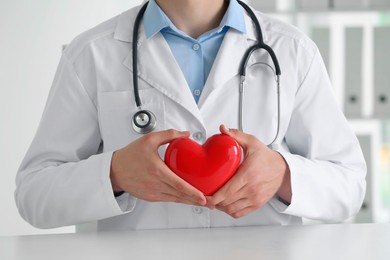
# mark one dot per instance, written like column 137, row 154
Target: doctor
column 87, row 163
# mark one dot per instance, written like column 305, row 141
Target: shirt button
column 197, row 210
column 198, row 136
column 197, row 92
column 195, row 47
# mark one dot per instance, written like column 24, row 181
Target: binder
column 381, row 72
column 353, row 98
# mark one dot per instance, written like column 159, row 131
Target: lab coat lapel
column 157, row 66
column 229, row 59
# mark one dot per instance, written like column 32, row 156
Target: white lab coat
column 64, row 178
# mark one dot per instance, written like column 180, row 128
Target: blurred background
column 353, row 37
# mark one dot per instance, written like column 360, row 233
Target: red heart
column 205, row 167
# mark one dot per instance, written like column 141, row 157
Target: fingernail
column 184, row 132
column 202, row 202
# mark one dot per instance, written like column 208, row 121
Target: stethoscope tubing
column 135, row 55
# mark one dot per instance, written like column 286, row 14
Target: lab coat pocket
column 116, row 111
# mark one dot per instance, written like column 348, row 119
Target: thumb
column 242, row 138
column 167, row 136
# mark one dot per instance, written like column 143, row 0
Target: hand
column 138, row 170
column 262, row 174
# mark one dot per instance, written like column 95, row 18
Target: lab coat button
column 195, row 47
column 198, row 136
column 197, row 210
column 197, row 92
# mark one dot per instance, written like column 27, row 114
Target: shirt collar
column 155, row 19
column 234, row 17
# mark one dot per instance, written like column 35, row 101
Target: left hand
column 262, row 174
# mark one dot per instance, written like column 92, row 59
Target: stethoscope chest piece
column 144, row 121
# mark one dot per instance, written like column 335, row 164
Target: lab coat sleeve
column 64, row 178
column 325, row 159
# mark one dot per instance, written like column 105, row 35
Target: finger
column 209, row 202
column 167, row 136
column 245, row 140
column 165, row 197
column 162, row 192
column 183, row 189
column 183, row 196
column 243, row 207
column 229, row 190
column 180, row 186
column 235, row 207
column 224, row 129
column 239, row 195
column 243, row 212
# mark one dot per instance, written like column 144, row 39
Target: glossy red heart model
column 207, row 167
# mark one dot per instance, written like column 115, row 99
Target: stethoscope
column 144, row 121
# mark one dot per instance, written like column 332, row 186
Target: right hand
column 138, row 170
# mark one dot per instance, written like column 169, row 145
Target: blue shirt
column 195, row 57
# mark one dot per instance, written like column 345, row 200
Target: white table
column 346, row 242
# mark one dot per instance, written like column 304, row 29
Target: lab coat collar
column 227, row 63
column 124, row 28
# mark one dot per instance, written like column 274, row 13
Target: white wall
column 32, row 33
